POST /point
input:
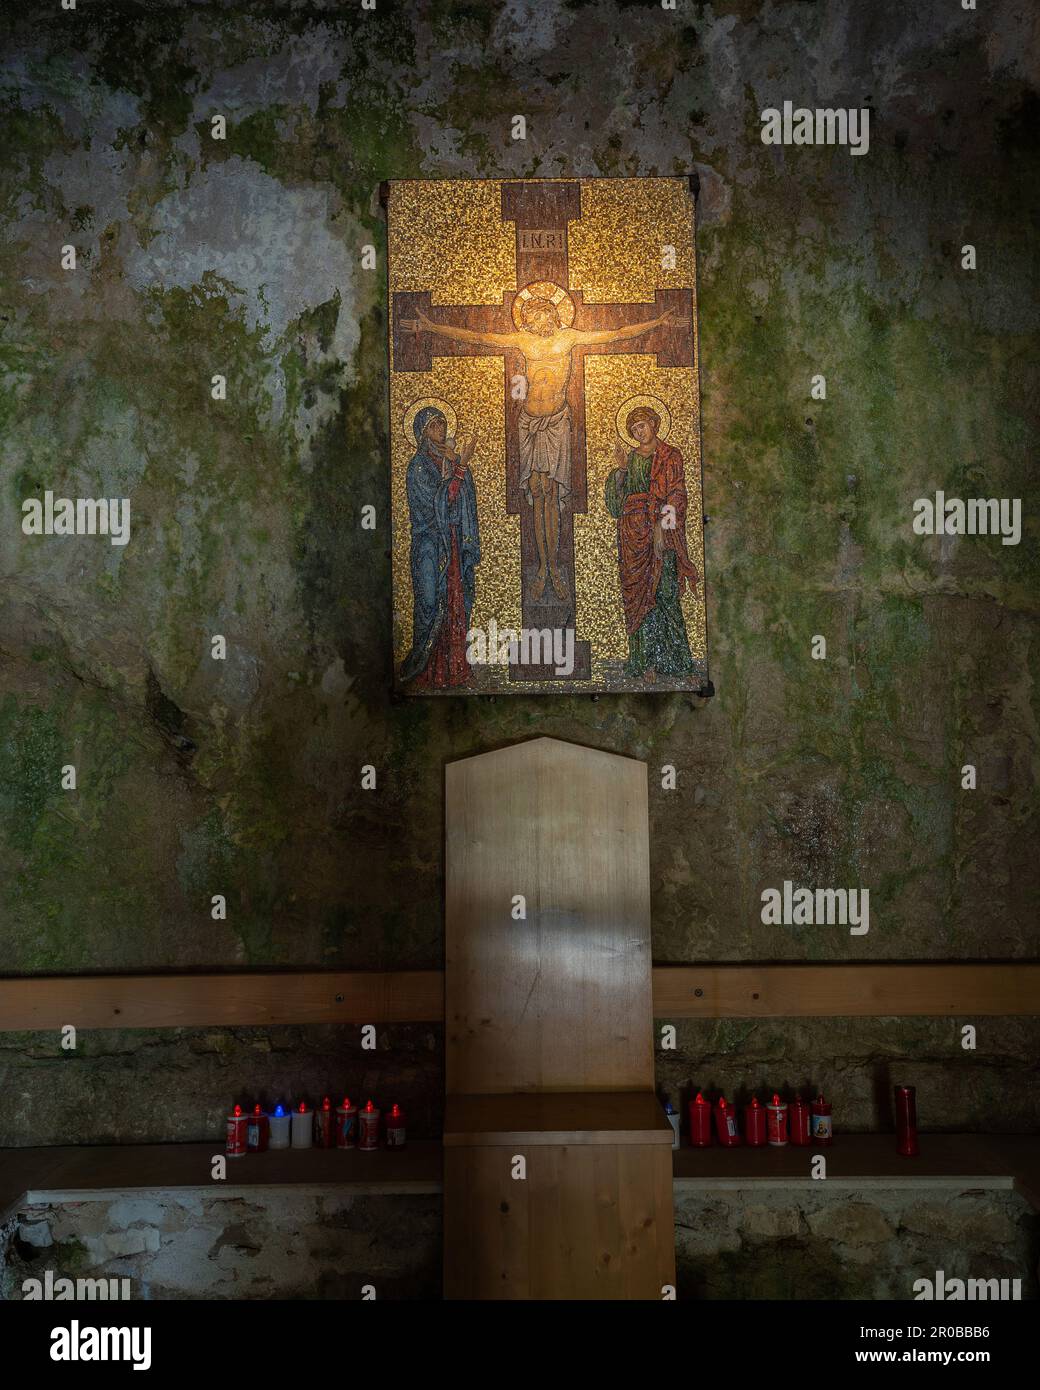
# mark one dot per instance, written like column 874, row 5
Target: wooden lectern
column 557, row 1157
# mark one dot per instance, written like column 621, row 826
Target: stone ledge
column 947, row 1162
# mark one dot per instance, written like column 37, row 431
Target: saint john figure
column 442, row 508
column 653, row 563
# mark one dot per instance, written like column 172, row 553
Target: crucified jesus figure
column 544, row 423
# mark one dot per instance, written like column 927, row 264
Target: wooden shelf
column 556, row 1117
column 91, row 1172
column 854, row 1161
column 862, row 1160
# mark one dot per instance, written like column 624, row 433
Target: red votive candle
column 700, row 1123
column 258, row 1131
column 346, row 1125
column 368, row 1132
column 776, row 1113
column 798, row 1119
column 820, row 1125
column 906, row 1121
column 395, row 1131
column 754, row 1124
column 324, row 1125
column 237, row 1133
column 726, row 1124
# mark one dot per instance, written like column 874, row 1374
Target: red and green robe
column 651, row 584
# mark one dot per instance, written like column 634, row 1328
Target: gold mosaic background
column 615, row 251
column 447, row 237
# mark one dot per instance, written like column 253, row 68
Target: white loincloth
column 545, row 447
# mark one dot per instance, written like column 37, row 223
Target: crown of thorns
column 530, row 305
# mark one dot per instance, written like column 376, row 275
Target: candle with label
column 324, row 1125
column 259, row 1131
column 346, row 1125
column 368, row 1129
column 700, row 1122
column 395, row 1131
column 820, row 1121
column 302, row 1127
column 754, row 1124
column 776, row 1111
column 237, row 1133
column 726, row 1124
column 280, row 1128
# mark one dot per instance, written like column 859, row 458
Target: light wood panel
column 487, row 1249
column 943, row 989
column 556, row 1117
column 548, row 1032
column 560, row 1000
column 588, row 1222
column 647, row 1214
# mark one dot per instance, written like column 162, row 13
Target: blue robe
column 433, row 518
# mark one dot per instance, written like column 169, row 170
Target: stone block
column 850, row 1223
column 35, row 1233
column 136, row 1241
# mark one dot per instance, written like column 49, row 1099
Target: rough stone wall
column 772, row 1243
column 144, row 1087
column 747, row 1243
column 135, row 1086
column 242, row 257
column 192, row 1247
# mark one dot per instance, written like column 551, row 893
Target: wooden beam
column 417, row 996
column 947, row 989
column 193, row 1001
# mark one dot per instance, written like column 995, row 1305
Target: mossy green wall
column 243, row 257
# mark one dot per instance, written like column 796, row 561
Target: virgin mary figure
column 445, row 550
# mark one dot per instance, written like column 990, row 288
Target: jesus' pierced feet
column 559, row 584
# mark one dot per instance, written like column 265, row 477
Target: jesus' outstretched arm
column 466, row 335
column 615, row 335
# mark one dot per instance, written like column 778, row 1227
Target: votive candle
column 302, row 1127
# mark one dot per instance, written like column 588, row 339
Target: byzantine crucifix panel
column 545, row 462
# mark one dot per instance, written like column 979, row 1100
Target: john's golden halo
column 656, row 404
column 446, row 410
column 544, row 289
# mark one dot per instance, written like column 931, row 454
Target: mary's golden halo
column 446, row 410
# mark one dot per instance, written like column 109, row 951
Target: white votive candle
column 302, row 1127
column 280, row 1122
